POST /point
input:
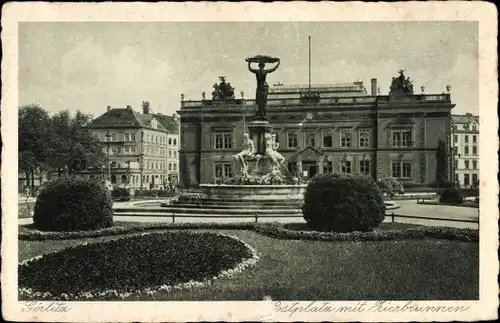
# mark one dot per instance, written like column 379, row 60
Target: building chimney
column 129, row 107
column 374, row 87
column 108, row 109
column 145, row 107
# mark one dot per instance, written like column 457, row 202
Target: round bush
column 73, row 204
column 451, row 195
column 120, row 193
column 343, row 203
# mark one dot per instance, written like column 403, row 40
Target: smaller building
column 139, row 147
column 465, row 141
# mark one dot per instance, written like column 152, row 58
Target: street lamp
column 108, row 140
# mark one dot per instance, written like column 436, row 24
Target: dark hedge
column 120, row 194
column 279, row 231
column 343, row 203
column 134, row 263
column 72, row 204
column 451, row 195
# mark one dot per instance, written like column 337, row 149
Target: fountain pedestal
column 258, row 130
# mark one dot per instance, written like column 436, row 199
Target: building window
column 457, row 179
column 466, row 150
column 223, row 170
column 455, row 138
column 475, row 180
column 169, row 166
column 364, row 167
column 474, row 127
column 345, row 166
column 175, row 154
column 114, row 151
column 466, row 180
column 170, row 141
column 175, row 166
column 169, row 154
column 292, row 140
column 127, row 137
column 327, row 140
column 364, row 138
column 132, row 137
column 474, row 150
column 466, row 164
column 402, row 138
column 474, row 164
column 147, row 138
column 474, row 139
column 223, row 140
column 466, row 139
column 401, row 169
column 455, row 164
column 327, row 167
column 175, row 142
column 345, row 138
column 113, row 137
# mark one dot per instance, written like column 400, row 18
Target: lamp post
column 142, row 158
column 108, row 140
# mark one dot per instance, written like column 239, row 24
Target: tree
column 34, row 135
column 74, row 146
column 441, row 164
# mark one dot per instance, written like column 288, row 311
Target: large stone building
column 141, row 147
column 465, row 141
column 321, row 129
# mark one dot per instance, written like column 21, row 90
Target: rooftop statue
column 401, row 85
column 223, row 90
column 262, row 86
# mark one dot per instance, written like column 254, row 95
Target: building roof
column 170, row 123
column 464, row 118
column 120, row 118
column 338, row 89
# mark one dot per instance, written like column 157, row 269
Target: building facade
column 465, row 142
column 137, row 147
column 322, row 129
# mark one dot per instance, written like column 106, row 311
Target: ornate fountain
column 260, row 180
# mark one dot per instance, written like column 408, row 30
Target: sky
column 89, row 66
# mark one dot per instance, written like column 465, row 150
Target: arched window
column 175, row 142
column 124, row 179
column 169, row 166
column 169, row 141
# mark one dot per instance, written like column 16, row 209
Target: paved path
column 408, row 207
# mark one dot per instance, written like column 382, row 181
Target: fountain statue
column 260, row 146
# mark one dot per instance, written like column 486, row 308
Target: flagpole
column 309, row 65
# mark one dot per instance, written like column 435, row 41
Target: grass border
column 278, row 230
column 31, row 234
column 29, row 294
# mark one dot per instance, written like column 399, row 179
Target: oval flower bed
column 145, row 263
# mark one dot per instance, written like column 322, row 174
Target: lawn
column 428, row 269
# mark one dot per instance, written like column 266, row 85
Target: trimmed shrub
column 343, row 203
column 72, row 204
column 120, row 194
column 452, row 196
column 390, row 185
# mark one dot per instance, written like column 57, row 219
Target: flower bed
column 142, row 264
column 278, row 230
column 28, row 232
